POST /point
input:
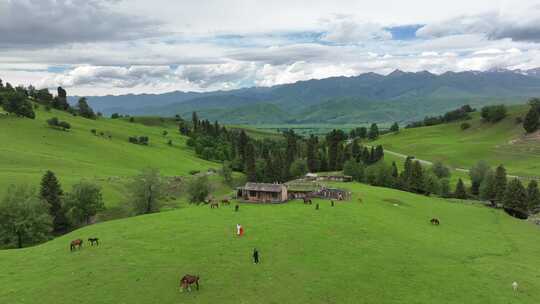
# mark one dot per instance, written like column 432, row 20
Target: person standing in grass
column 255, row 256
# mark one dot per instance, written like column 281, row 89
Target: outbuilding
column 263, row 193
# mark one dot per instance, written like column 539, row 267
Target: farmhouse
column 263, row 193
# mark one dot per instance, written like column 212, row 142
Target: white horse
column 515, row 286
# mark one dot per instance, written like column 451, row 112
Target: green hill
column 500, row 143
column 382, row 250
column 30, row 147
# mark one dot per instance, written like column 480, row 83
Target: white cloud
column 518, row 26
column 103, row 49
column 31, row 23
column 347, row 30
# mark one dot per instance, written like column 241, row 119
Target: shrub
column 465, row 126
column 494, row 113
column 198, row 189
column 64, row 125
column 55, row 123
column 93, row 131
column 193, row 172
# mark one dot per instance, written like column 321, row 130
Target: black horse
column 434, row 221
column 94, row 240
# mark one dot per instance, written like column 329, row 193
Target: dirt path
column 429, row 163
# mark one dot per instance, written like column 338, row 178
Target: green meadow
column 499, row 143
column 380, row 250
column 30, row 147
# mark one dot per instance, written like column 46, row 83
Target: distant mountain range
column 399, row 96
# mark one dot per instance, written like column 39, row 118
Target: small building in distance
column 328, row 178
column 262, row 193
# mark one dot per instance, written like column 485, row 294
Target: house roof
column 264, row 187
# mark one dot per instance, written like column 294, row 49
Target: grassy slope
column 370, row 252
column 31, row 147
column 462, row 149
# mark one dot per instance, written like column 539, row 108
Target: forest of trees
column 18, row 101
column 271, row 160
column 531, row 123
column 28, row 216
column 451, row 116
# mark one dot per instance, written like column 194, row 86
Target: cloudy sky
column 98, row 47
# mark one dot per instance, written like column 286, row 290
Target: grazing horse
column 213, row 205
column 434, row 221
column 75, row 244
column 307, row 200
column 187, row 280
column 226, row 201
column 93, row 240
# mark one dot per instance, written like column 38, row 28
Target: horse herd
column 78, row 243
column 187, row 280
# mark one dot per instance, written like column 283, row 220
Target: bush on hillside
column 465, row 126
column 18, row 104
column 56, row 123
column 494, row 113
column 455, row 115
column 141, row 140
column 198, row 189
column 146, row 191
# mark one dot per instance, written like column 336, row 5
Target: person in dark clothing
column 255, row 256
column 236, row 208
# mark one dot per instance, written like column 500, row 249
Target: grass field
column 382, row 250
column 500, row 143
column 30, row 147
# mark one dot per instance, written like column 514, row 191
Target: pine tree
column 394, row 127
column 84, row 109
column 51, row 193
column 487, row 188
column 531, row 123
column 500, row 183
column 405, row 178
column 515, row 196
column 477, row 174
column 395, row 171
column 311, row 154
column 356, row 150
column 195, row 121
column 242, row 143
column 378, row 154
column 417, row 177
column 250, row 168
column 373, row 132
column 324, row 161
column 533, row 196
column 460, row 192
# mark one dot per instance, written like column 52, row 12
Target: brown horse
column 75, row 244
column 187, row 280
column 434, row 221
column 213, row 204
column 307, row 200
column 226, row 201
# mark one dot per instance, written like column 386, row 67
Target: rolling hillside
column 382, row 250
column 500, row 143
column 30, row 147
